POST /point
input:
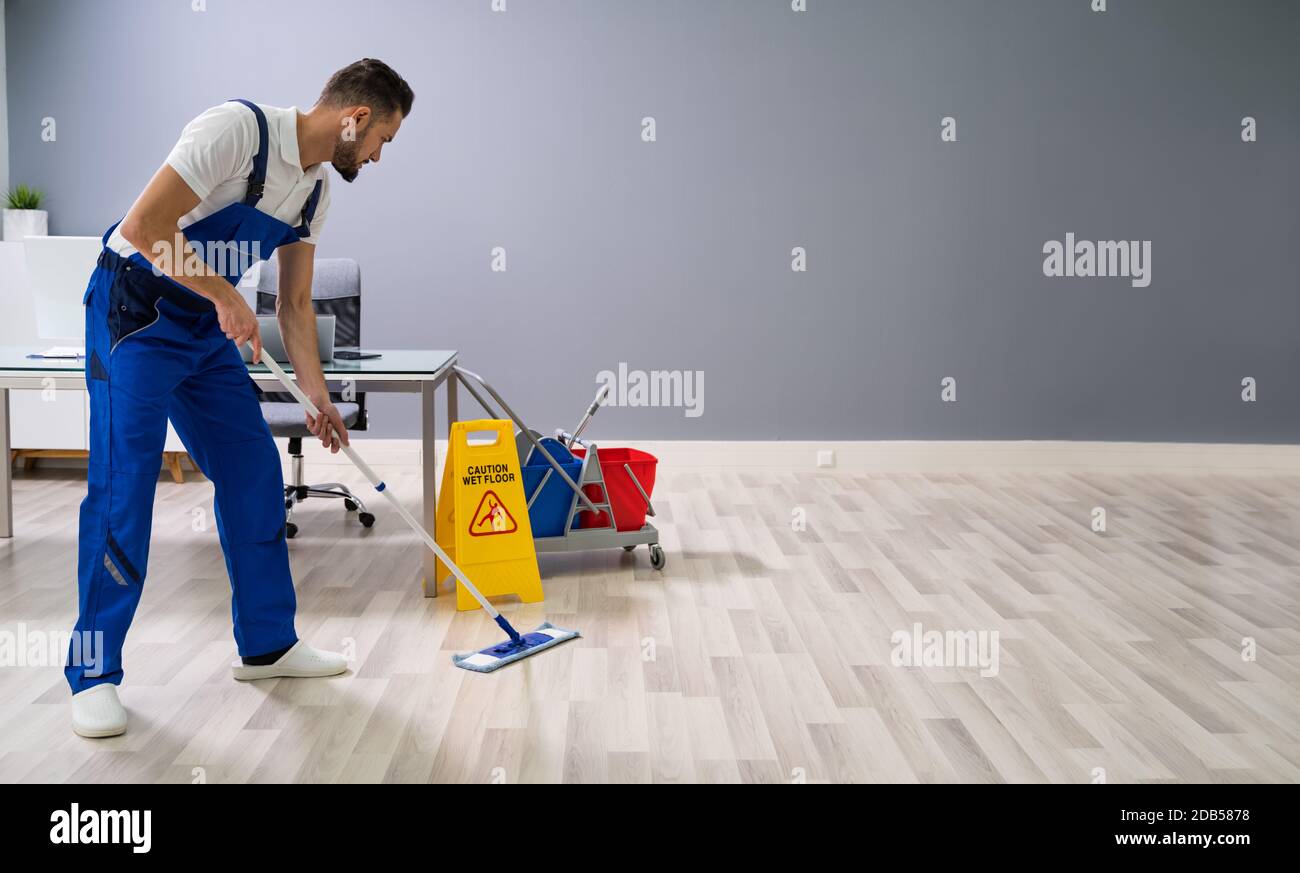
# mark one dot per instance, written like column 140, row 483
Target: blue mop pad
column 489, row 659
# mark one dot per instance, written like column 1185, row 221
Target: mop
column 518, row 646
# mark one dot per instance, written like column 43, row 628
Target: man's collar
column 289, row 138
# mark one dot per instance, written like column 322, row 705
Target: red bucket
column 624, row 498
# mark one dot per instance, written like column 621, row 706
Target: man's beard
column 345, row 159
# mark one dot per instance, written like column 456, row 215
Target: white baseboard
column 922, row 456
column 883, row 456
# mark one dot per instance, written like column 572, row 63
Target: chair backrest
column 336, row 291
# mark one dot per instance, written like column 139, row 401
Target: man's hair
column 372, row 83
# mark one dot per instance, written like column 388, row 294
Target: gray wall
column 4, row 108
column 775, row 129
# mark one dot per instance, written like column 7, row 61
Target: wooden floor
column 761, row 654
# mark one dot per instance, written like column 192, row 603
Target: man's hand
column 239, row 323
column 328, row 426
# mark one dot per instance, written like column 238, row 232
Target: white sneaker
column 97, row 712
column 301, row 662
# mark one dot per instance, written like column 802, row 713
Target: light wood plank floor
column 761, row 654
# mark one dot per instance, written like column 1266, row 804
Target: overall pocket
column 133, row 303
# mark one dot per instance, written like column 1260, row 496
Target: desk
column 404, row 371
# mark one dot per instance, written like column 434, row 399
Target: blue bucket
column 549, row 513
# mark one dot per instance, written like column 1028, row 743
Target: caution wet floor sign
column 483, row 515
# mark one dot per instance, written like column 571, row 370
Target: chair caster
column 657, row 557
column 290, row 530
column 349, row 505
column 367, row 519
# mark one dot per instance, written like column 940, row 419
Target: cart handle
column 555, row 465
column 646, row 497
column 487, row 407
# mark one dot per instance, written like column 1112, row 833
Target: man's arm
column 297, row 320
column 152, row 227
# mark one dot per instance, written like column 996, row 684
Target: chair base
column 298, row 491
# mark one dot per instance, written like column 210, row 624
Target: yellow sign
column 483, row 515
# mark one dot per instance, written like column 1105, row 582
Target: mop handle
column 379, row 485
column 591, row 410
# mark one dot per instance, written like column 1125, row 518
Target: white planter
column 26, row 222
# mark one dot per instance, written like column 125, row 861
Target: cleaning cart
column 579, row 495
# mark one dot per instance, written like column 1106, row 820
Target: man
column 164, row 324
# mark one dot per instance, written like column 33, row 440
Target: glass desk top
column 407, row 362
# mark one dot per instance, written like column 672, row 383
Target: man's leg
column 217, row 415
column 128, row 387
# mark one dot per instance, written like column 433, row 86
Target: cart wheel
column 657, row 559
column 367, row 519
column 628, row 548
column 349, row 505
column 290, row 530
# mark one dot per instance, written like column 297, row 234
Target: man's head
column 371, row 101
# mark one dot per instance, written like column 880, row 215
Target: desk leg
column 453, row 410
column 6, row 475
column 429, row 473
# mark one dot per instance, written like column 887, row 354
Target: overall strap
column 309, row 212
column 257, row 178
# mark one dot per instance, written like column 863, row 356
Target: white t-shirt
column 215, row 156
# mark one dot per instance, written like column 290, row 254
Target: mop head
column 489, row 659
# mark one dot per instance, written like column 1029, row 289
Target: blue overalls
column 155, row 351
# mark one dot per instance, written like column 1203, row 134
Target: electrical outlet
column 826, row 458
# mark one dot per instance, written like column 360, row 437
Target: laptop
column 273, row 343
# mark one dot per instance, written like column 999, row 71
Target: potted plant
column 24, row 216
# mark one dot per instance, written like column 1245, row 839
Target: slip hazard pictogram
column 492, row 517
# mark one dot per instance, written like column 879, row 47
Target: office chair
column 336, row 291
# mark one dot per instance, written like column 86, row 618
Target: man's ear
column 353, row 123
